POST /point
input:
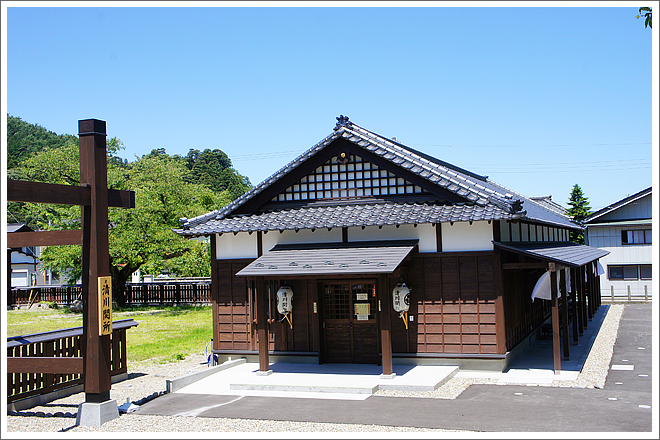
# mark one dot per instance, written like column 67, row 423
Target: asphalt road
column 624, row 404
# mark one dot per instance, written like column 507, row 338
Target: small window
column 629, row 272
column 636, row 236
column 623, row 272
column 645, row 271
column 615, row 272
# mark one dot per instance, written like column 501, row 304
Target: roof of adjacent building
column 18, row 227
column 616, row 205
column 479, row 198
column 564, row 252
column 550, row 204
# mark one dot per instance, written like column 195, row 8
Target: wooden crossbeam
column 51, row 365
column 525, row 265
column 44, row 238
column 38, row 192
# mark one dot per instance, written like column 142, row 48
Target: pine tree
column 579, row 209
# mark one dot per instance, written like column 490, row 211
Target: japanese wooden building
column 358, row 215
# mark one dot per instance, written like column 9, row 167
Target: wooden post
column 556, row 351
column 262, row 324
column 575, row 306
column 583, row 300
column 500, row 323
column 385, row 326
column 215, row 282
column 564, row 313
column 96, row 367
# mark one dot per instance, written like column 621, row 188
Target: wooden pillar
column 385, row 325
column 590, row 287
column 598, row 292
column 262, row 324
column 498, row 285
column 564, row 313
column 9, row 295
column 574, row 296
column 583, row 300
column 215, row 288
column 96, row 259
column 556, row 350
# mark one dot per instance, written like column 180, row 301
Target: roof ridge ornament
column 342, row 121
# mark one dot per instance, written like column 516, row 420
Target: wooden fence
column 65, row 343
column 155, row 293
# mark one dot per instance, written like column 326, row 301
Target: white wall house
column 624, row 229
column 26, row 270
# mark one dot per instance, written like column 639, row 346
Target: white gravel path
column 147, row 380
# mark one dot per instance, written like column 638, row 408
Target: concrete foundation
column 96, row 414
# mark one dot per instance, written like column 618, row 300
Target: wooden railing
column 158, row 292
column 45, row 362
column 169, row 292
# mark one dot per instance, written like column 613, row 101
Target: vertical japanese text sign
column 105, row 305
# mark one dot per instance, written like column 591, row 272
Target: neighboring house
column 23, row 260
column 624, row 229
column 26, row 270
column 353, row 222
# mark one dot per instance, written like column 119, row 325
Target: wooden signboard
column 105, row 306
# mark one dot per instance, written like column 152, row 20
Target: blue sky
column 536, row 98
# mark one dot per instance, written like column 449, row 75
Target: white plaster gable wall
column 241, row 245
column 424, row 232
column 463, row 236
column 460, row 237
column 302, row 236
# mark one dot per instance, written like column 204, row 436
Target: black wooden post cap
column 91, row 126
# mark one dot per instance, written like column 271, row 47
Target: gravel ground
column 147, row 380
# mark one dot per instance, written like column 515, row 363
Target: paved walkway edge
column 177, row 383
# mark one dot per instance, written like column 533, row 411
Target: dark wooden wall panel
column 233, row 329
column 454, row 294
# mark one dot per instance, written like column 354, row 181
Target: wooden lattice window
column 337, row 301
column 351, row 179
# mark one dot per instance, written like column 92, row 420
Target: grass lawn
column 164, row 334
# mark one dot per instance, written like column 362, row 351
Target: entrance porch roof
column 331, row 258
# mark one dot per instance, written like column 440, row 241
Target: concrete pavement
column 623, row 405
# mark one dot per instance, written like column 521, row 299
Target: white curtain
column 542, row 288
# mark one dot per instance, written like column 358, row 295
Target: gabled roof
column 480, row 198
column 614, row 206
column 18, row 227
column 550, row 204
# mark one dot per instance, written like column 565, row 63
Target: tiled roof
column 485, row 199
column 567, row 253
column 375, row 214
column 333, row 258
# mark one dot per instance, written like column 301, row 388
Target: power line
column 532, row 146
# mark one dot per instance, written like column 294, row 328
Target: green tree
column 213, row 169
column 647, row 14
column 138, row 237
column 579, row 209
column 24, row 139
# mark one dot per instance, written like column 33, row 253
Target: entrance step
column 369, row 389
column 406, row 378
